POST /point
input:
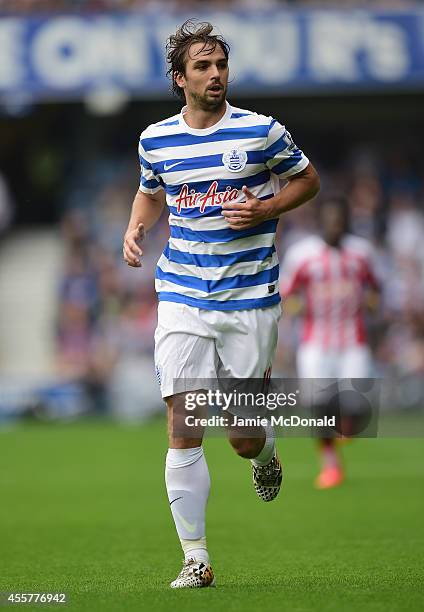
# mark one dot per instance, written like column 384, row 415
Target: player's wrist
column 272, row 209
column 133, row 227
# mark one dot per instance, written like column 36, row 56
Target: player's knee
column 245, row 447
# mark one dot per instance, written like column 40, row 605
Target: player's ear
column 179, row 78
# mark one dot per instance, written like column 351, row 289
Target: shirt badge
column 235, row 160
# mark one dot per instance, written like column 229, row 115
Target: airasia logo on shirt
column 189, row 198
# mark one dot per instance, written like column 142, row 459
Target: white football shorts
column 315, row 362
column 194, row 343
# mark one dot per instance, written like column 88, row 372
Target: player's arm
column 146, row 210
column 300, row 188
column 372, row 283
column 286, row 161
column 293, row 280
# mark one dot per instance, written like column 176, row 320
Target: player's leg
column 182, row 356
column 331, row 472
column 246, row 346
column 314, row 363
column 188, row 484
column 352, row 362
column 355, row 362
column 258, row 445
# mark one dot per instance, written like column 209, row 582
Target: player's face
column 205, row 80
column 333, row 223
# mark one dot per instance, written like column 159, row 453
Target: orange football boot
column 329, row 477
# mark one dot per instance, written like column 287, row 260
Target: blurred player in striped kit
column 217, row 168
column 335, row 274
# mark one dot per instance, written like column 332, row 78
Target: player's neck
column 200, row 119
column 334, row 244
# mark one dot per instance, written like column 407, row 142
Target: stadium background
column 78, row 82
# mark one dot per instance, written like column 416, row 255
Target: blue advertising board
column 69, row 56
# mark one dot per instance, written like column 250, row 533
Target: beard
column 208, row 103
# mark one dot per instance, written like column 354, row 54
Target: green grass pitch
column 83, row 510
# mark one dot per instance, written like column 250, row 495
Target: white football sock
column 268, row 448
column 187, row 484
column 195, row 549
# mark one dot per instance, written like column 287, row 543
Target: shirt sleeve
column 149, row 182
column 292, row 273
column 367, row 256
column 281, row 154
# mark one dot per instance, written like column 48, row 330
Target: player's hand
column 131, row 249
column 243, row 215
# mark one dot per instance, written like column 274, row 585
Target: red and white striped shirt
column 332, row 281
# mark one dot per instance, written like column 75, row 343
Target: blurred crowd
column 107, row 310
column 386, row 196
column 56, row 6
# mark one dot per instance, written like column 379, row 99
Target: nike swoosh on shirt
column 176, row 499
column 191, row 527
column 167, row 166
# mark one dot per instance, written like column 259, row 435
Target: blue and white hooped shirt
column 206, row 263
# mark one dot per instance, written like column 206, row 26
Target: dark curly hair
column 179, row 43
